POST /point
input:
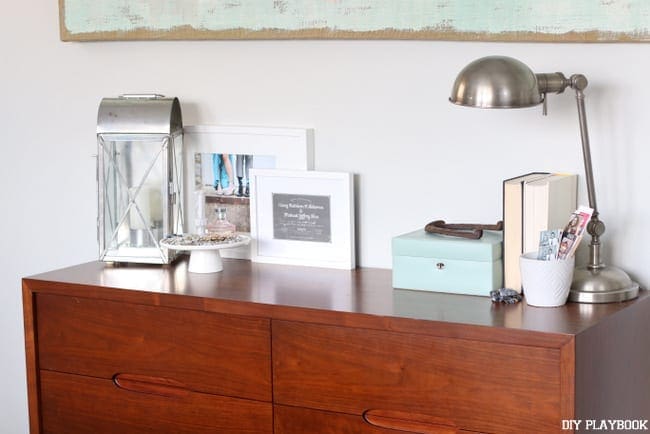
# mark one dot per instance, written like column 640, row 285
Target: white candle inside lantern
column 135, row 221
column 155, row 206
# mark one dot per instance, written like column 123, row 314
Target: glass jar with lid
column 221, row 225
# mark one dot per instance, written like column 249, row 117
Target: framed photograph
column 302, row 218
column 218, row 161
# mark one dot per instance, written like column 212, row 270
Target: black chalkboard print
column 302, row 217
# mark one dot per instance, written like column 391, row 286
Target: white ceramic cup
column 546, row 283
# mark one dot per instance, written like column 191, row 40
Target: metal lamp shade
column 139, row 176
column 496, row 82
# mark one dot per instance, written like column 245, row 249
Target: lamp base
column 602, row 285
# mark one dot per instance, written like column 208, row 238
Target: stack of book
column 533, row 203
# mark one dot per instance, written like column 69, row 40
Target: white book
column 548, row 204
column 513, row 221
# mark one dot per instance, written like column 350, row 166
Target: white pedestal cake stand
column 205, row 258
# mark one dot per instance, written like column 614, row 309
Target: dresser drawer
column 78, row 404
column 294, row 420
column 472, row 385
column 204, row 352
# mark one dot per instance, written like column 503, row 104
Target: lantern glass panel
column 134, row 196
column 177, row 180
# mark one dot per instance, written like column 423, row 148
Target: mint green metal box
column 440, row 263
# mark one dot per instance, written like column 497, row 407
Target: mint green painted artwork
column 485, row 20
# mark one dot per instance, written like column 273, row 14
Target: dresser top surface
column 362, row 292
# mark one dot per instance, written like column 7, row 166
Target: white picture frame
column 303, row 218
column 291, row 148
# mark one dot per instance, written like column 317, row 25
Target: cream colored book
column 513, row 223
column 548, row 204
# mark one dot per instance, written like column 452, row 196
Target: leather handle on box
column 151, row 385
column 409, row 422
column 464, row 230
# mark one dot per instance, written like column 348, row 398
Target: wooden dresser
column 263, row 348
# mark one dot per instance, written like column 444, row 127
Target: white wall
column 379, row 109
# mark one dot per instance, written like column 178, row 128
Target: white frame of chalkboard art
column 291, row 148
column 302, row 218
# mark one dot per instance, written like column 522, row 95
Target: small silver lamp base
column 602, row 285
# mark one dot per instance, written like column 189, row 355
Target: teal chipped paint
column 471, row 16
column 552, row 17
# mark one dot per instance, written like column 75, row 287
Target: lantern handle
column 141, row 96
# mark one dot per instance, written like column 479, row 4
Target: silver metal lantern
column 139, row 176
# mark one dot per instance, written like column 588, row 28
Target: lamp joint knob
column 595, row 227
column 578, row 82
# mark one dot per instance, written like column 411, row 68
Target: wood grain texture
column 363, row 297
column 31, row 356
column 344, row 343
column 567, row 380
column 295, row 420
column 79, row 404
column 206, row 352
column 613, row 366
column 352, row 371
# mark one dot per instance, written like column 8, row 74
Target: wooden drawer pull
column 409, row 422
column 152, row 385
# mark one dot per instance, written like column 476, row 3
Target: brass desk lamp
column 504, row 82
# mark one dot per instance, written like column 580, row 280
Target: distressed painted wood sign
column 484, row 20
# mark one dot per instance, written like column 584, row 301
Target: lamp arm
column 595, row 227
column 556, row 82
column 586, row 149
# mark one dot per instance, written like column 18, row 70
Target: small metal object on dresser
column 472, row 231
column 505, row 295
